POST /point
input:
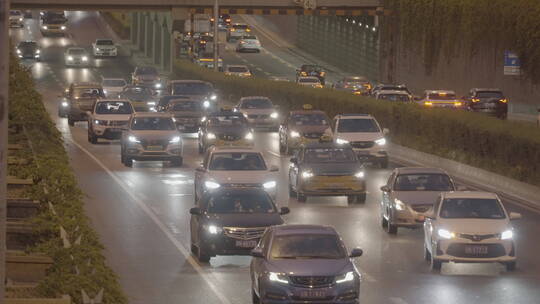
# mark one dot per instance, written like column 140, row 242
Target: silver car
column 151, row 136
column 76, row 56
column 304, row 264
column 260, row 112
column 409, row 196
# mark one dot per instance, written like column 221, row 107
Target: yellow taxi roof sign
column 226, row 108
column 307, row 107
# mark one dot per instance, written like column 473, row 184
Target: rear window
column 423, row 182
column 394, row 97
column 189, row 105
column 256, row 103
column 490, row 94
column 88, row 93
column 240, row 26
column 442, row 96
column 238, row 69
column 308, row 80
column 358, row 125
column 76, row 51
column 237, row 161
column 104, row 42
column 14, row 13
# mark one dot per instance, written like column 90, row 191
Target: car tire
column 254, row 298
column 201, row 149
column 510, row 266
column 384, row 222
column 281, row 147
column 202, row 257
column 391, row 228
column 288, row 150
column 301, row 197
column 177, row 161
column 128, row 162
column 71, row 122
column 427, row 254
column 436, row 265
column 92, row 138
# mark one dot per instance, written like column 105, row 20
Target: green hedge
column 505, row 147
column 55, row 183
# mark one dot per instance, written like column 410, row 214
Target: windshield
column 315, row 119
column 138, row 94
column 186, row 106
column 256, row 103
column 394, row 97
column 358, row 125
column 191, row 88
column 14, row 13
column 307, row 246
column 249, row 37
column 423, row 182
column 329, row 155
column 27, row 45
column 54, row 21
column 355, row 80
column 76, row 51
column 442, row 96
column 104, row 42
column 240, row 202
column 238, row 69
column 489, row 94
column 240, row 26
column 226, row 120
column 114, row 83
column 152, row 123
column 88, row 93
column 237, row 161
column 146, row 71
column 113, row 107
column 472, row 208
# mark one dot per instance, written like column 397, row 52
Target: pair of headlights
column 84, row 58
column 174, row 140
column 380, row 141
column 212, row 136
column 309, row 174
column 281, row 278
column 448, row 235
column 213, row 185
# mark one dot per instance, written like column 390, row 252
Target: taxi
column 224, row 128
column 303, row 126
column 326, row 168
column 441, row 99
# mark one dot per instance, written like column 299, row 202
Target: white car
column 259, row 111
column 104, row 48
column 470, row 227
column 76, row 56
column 248, row 44
column 238, row 70
column 393, row 95
column 365, row 135
column 16, row 19
column 112, row 87
column 241, row 167
column 309, row 81
column 108, row 118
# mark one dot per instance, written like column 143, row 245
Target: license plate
column 476, row 250
column 154, row 148
column 310, row 294
column 246, row 244
column 115, row 130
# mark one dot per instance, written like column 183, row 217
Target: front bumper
column 16, row 23
column 138, row 152
column 232, row 143
column 75, row 62
column 52, row 31
column 106, row 53
column 252, row 48
column 107, row 132
column 279, row 293
column 76, row 114
column 220, row 244
column 333, row 186
column 295, row 143
column 371, row 155
column 468, row 251
column 263, row 123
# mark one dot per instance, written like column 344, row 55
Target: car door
column 258, row 265
column 196, row 222
column 283, row 130
column 201, row 174
column 387, row 195
column 431, row 223
column 295, row 168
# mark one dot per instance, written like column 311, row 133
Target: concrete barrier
column 526, row 194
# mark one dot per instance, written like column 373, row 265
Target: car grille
column 312, row 135
column 362, row 144
column 244, row 233
column 478, row 237
column 493, row 251
column 156, row 142
column 312, row 281
column 260, row 116
column 53, row 27
column 242, row 185
column 422, row 208
column 229, row 137
column 117, row 123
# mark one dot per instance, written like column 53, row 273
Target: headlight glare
column 206, row 104
column 276, row 277
column 157, row 85
column 151, row 103
column 360, row 174
column 211, row 185
column 507, row 235
column 211, row 136
column 341, row 141
column 381, row 141
column 349, row 276
column 307, row 174
column 269, row 185
column 295, row 134
column 84, row 58
column 175, row 140
column 65, row 104
column 274, row 115
column 133, row 139
column 249, row 136
column 62, row 27
column 214, row 229
column 70, row 58
column 399, row 205
column 213, row 97
column 445, row 234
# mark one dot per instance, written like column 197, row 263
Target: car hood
column 112, row 116
column 241, row 176
column 416, row 197
column 229, row 130
column 311, row 129
column 193, row 114
column 147, row 77
column 106, row 47
column 244, row 219
column 257, row 111
column 360, row 136
column 334, row 168
column 154, row 134
column 311, row 267
column 113, row 89
column 474, row 226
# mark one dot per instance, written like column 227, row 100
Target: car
column 304, row 264
column 52, row 15
column 104, row 48
column 151, row 136
column 365, row 135
column 358, row 85
column 164, row 101
column 259, row 111
column 487, row 101
column 112, row 87
column 195, row 89
column 243, row 167
column 147, row 76
column 28, row 50
column 187, row 114
column 470, row 227
column 440, row 99
column 390, row 87
column 224, row 128
column 409, row 194
column 53, row 25
column 231, row 221
column 108, row 119
column 303, row 126
column 27, row 14
column 311, row 70
column 76, row 56
column 326, row 169
column 143, row 98
column 79, row 99
column 309, row 81
column 237, row 70
column 16, row 19
column 237, row 30
column 393, row 95
column 248, row 43
column 224, row 22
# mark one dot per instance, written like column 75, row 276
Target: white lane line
column 274, row 153
column 206, row 277
column 397, row 301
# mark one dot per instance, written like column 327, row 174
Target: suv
column 304, row 264
column 487, row 101
column 303, row 126
column 363, row 133
column 146, row 76
column 195, row 89
column 187, row 114
column 259, row 111
column 79, row 99
column 311, row 70
column 104, row 47
column 54, row 25
column 358, row 85
column 231, row 221
column 235, row 167
column 108, row 119
column 224, row 128
column 16, row 19
column 440, row 99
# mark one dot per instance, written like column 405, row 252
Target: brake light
column 233, row 29
column 457, row 104
column 504, row 100
column 248, row 30
column 475, row 100
column 428, row 103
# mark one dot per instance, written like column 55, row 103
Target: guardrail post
column 4, row 87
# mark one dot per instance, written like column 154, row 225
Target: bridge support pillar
column 149, row 35
column 157, row 46
column 141, row 32
column 134, row 32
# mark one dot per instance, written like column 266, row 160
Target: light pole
column 216, row 38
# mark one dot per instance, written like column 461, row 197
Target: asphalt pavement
column 142, row 213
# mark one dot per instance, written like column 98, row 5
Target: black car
column 230, row 221
column 488, row 101
column 389, row 87
column 142, row 98
column 224, row 128
column 311, row 70
column 28, row 50
column 164, row 101
column 187, row 114
column 196, row 89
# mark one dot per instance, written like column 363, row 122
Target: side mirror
column 257, row 252
column 386, row 131
column 294, row 160
column 284, row 210
column 385, row 189
column 356, row 252
column 515, row 216
column 195, row 211
column 274, row 169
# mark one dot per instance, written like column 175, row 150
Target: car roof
column 470, row 194
column 76, row 48
column 107, row 78
column 420, row 170
column 112, row 100
column 308, row 112
column 237, row 66
column 151, row 114
column 382, row 92
column 254, row 97
column 440, row 91
column 221, row 190
column 86, row 84
column 303, row 229
column 355, row 116
column 308, row 77
column 486, row 90
column 237, row 149
column 363, row 78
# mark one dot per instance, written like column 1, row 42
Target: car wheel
column 122, row 157
column 254, row 298
column 391, row 228
column 436, row 265
column 510, row 266
column 201, row 149
column 288, row 150
column 177, row 161
column 301, row 197
column 202, row 256
column 92, row 138
column 427, row 254
column 351, row 199
column 384, row 222
column 128, row 162
column 281, row 148
column 71, row 122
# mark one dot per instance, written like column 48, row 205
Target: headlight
column 277, row 277
column 381, row 141
column 151, row 103
column 158, row 85
column 445, row 234
column 70, row 58
column 274, row 115
column 506, row 235
column 206, row 104
column 18, row 51
column 213, row 97
column 213, row 229
column 272, row 184
column 38, row 51
column 65, row 104
column 100, row 122
column 84, row 58
column 307, row 174
column 44, row 27
column 97, row 49
column 360, row 174
column 211, row 136
column 133, row 139
column 249, row 136
column 62, row 27
column 175, row 140
column 341, row 141
column 349, row 276
column 399, row 205
column 295, row 134
column 20, row 19
column 211, row 185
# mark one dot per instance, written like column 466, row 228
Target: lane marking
column 275, row 154
column 206, row 277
